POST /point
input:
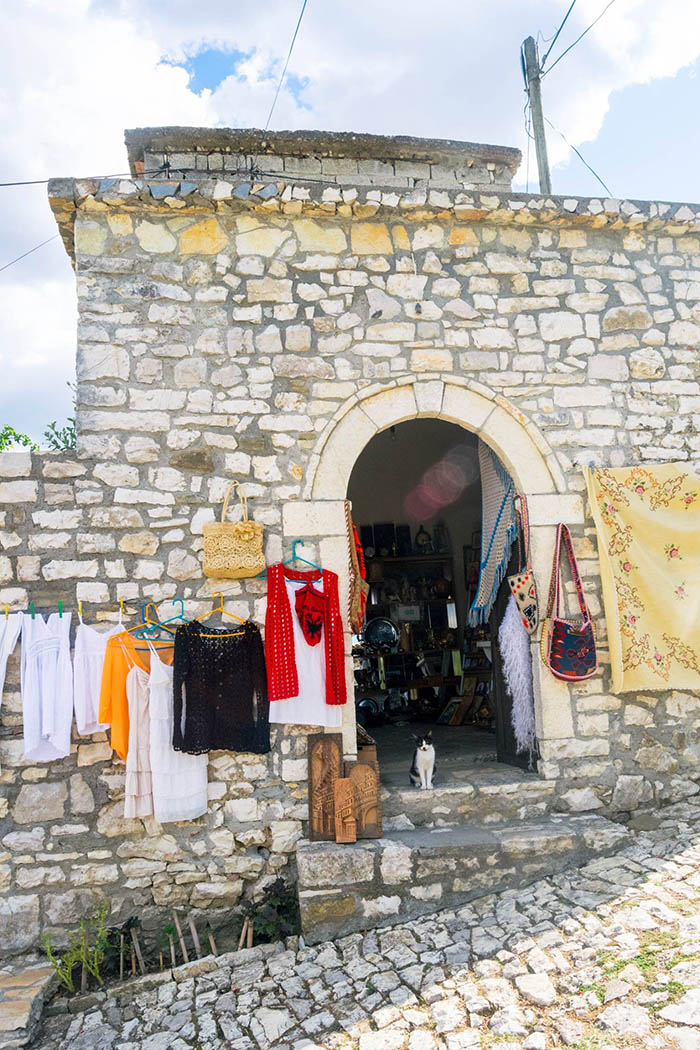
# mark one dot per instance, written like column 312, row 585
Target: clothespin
column 121, row 606
column 7, row 611
column 31, row 610
column 60, row 608
column 80, row 609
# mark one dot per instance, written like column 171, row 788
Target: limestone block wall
column 230, row 328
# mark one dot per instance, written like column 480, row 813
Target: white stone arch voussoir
column 522, row 449
column 516, row 441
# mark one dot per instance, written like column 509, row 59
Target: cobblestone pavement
column 603, row 958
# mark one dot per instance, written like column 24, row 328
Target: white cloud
column 74, row 74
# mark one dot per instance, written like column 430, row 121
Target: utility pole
column 532, row 80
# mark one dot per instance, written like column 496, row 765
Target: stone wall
column 226, row 326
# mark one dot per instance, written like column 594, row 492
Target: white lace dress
column 88, row 661
column 10, row 628
column 138, row 790
column 161, row 782
column 47, row 686
column 179, row 779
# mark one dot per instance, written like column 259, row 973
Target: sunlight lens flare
column 443, row 483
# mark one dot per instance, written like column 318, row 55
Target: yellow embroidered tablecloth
column 648, row 524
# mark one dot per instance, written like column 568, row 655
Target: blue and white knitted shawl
column 498, row 530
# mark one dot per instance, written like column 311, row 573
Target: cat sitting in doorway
column 424, row 765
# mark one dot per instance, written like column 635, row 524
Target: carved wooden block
column 345, row 811
column 365, row 781
column 367, row 756
column 325, row 767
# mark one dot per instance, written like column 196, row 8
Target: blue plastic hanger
column 294, row 557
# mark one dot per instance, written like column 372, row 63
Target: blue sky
column 74, row 75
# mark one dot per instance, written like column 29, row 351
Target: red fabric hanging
column 282, row 677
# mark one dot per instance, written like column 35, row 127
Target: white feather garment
column 514, row 643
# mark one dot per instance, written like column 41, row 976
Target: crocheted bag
column 522, row 583
column 233, row 549
column 568, row 646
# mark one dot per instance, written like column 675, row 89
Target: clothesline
column 137, row 692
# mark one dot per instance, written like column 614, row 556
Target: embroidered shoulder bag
column 233, row 549
column 568, row 646
column 522, row 583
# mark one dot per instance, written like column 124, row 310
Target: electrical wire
column 580, row 157
column 578, row 38
column 284, row 71
column 119, row 175
column 556, row 35
column 25, row 254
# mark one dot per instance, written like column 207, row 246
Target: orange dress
column 122, row 653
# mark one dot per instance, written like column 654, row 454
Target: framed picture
column 408, row 613
column 384, row 539
column 466, row 561
column 403, row 541
column 449, row 711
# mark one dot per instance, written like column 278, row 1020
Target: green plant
column 9, row 437
column 277, row 915
column 596, row 987
column 62, row 439
column 80, row 951
column 92, row 957
column 63, row 964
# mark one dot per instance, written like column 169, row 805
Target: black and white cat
column 424, row 764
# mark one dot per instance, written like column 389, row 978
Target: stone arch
column 520, row 446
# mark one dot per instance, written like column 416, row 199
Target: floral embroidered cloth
column 648, row 523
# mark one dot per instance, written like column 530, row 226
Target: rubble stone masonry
column 229, row 327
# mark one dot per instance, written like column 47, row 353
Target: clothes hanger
column 298, row 557
column 294, row 557
column 145, row 624
column 220, row 609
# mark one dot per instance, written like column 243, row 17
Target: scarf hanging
column 498, row 531
column 648, row 525
column 514, row 644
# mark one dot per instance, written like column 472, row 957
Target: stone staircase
column 442, row 848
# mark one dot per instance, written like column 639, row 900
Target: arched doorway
column 320, row 517
column 424, row 666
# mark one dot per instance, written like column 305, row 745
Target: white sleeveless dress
column 10, row 628
column 161, row 782
column 88, row 661
column 179, row 779
column 47, row 686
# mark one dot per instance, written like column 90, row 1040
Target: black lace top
column 220, row 689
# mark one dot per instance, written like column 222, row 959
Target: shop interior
column 416, row 502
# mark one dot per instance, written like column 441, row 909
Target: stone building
column 267, row 327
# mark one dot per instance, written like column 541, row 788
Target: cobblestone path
column 603, row 958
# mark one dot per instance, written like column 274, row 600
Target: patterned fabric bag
column 568, row 646
column 522, row 584
column 233, row 549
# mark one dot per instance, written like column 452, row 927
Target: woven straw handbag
column 233, row 549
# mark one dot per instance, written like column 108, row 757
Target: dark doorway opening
column 419, row 665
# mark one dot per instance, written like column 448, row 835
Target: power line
column 289, row 55
column 118, row 175
column 578, row 154
column 25, row 254
column 556, row 35
column 578, row 38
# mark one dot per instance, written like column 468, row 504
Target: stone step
column 347, row 888
column 497, row 796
